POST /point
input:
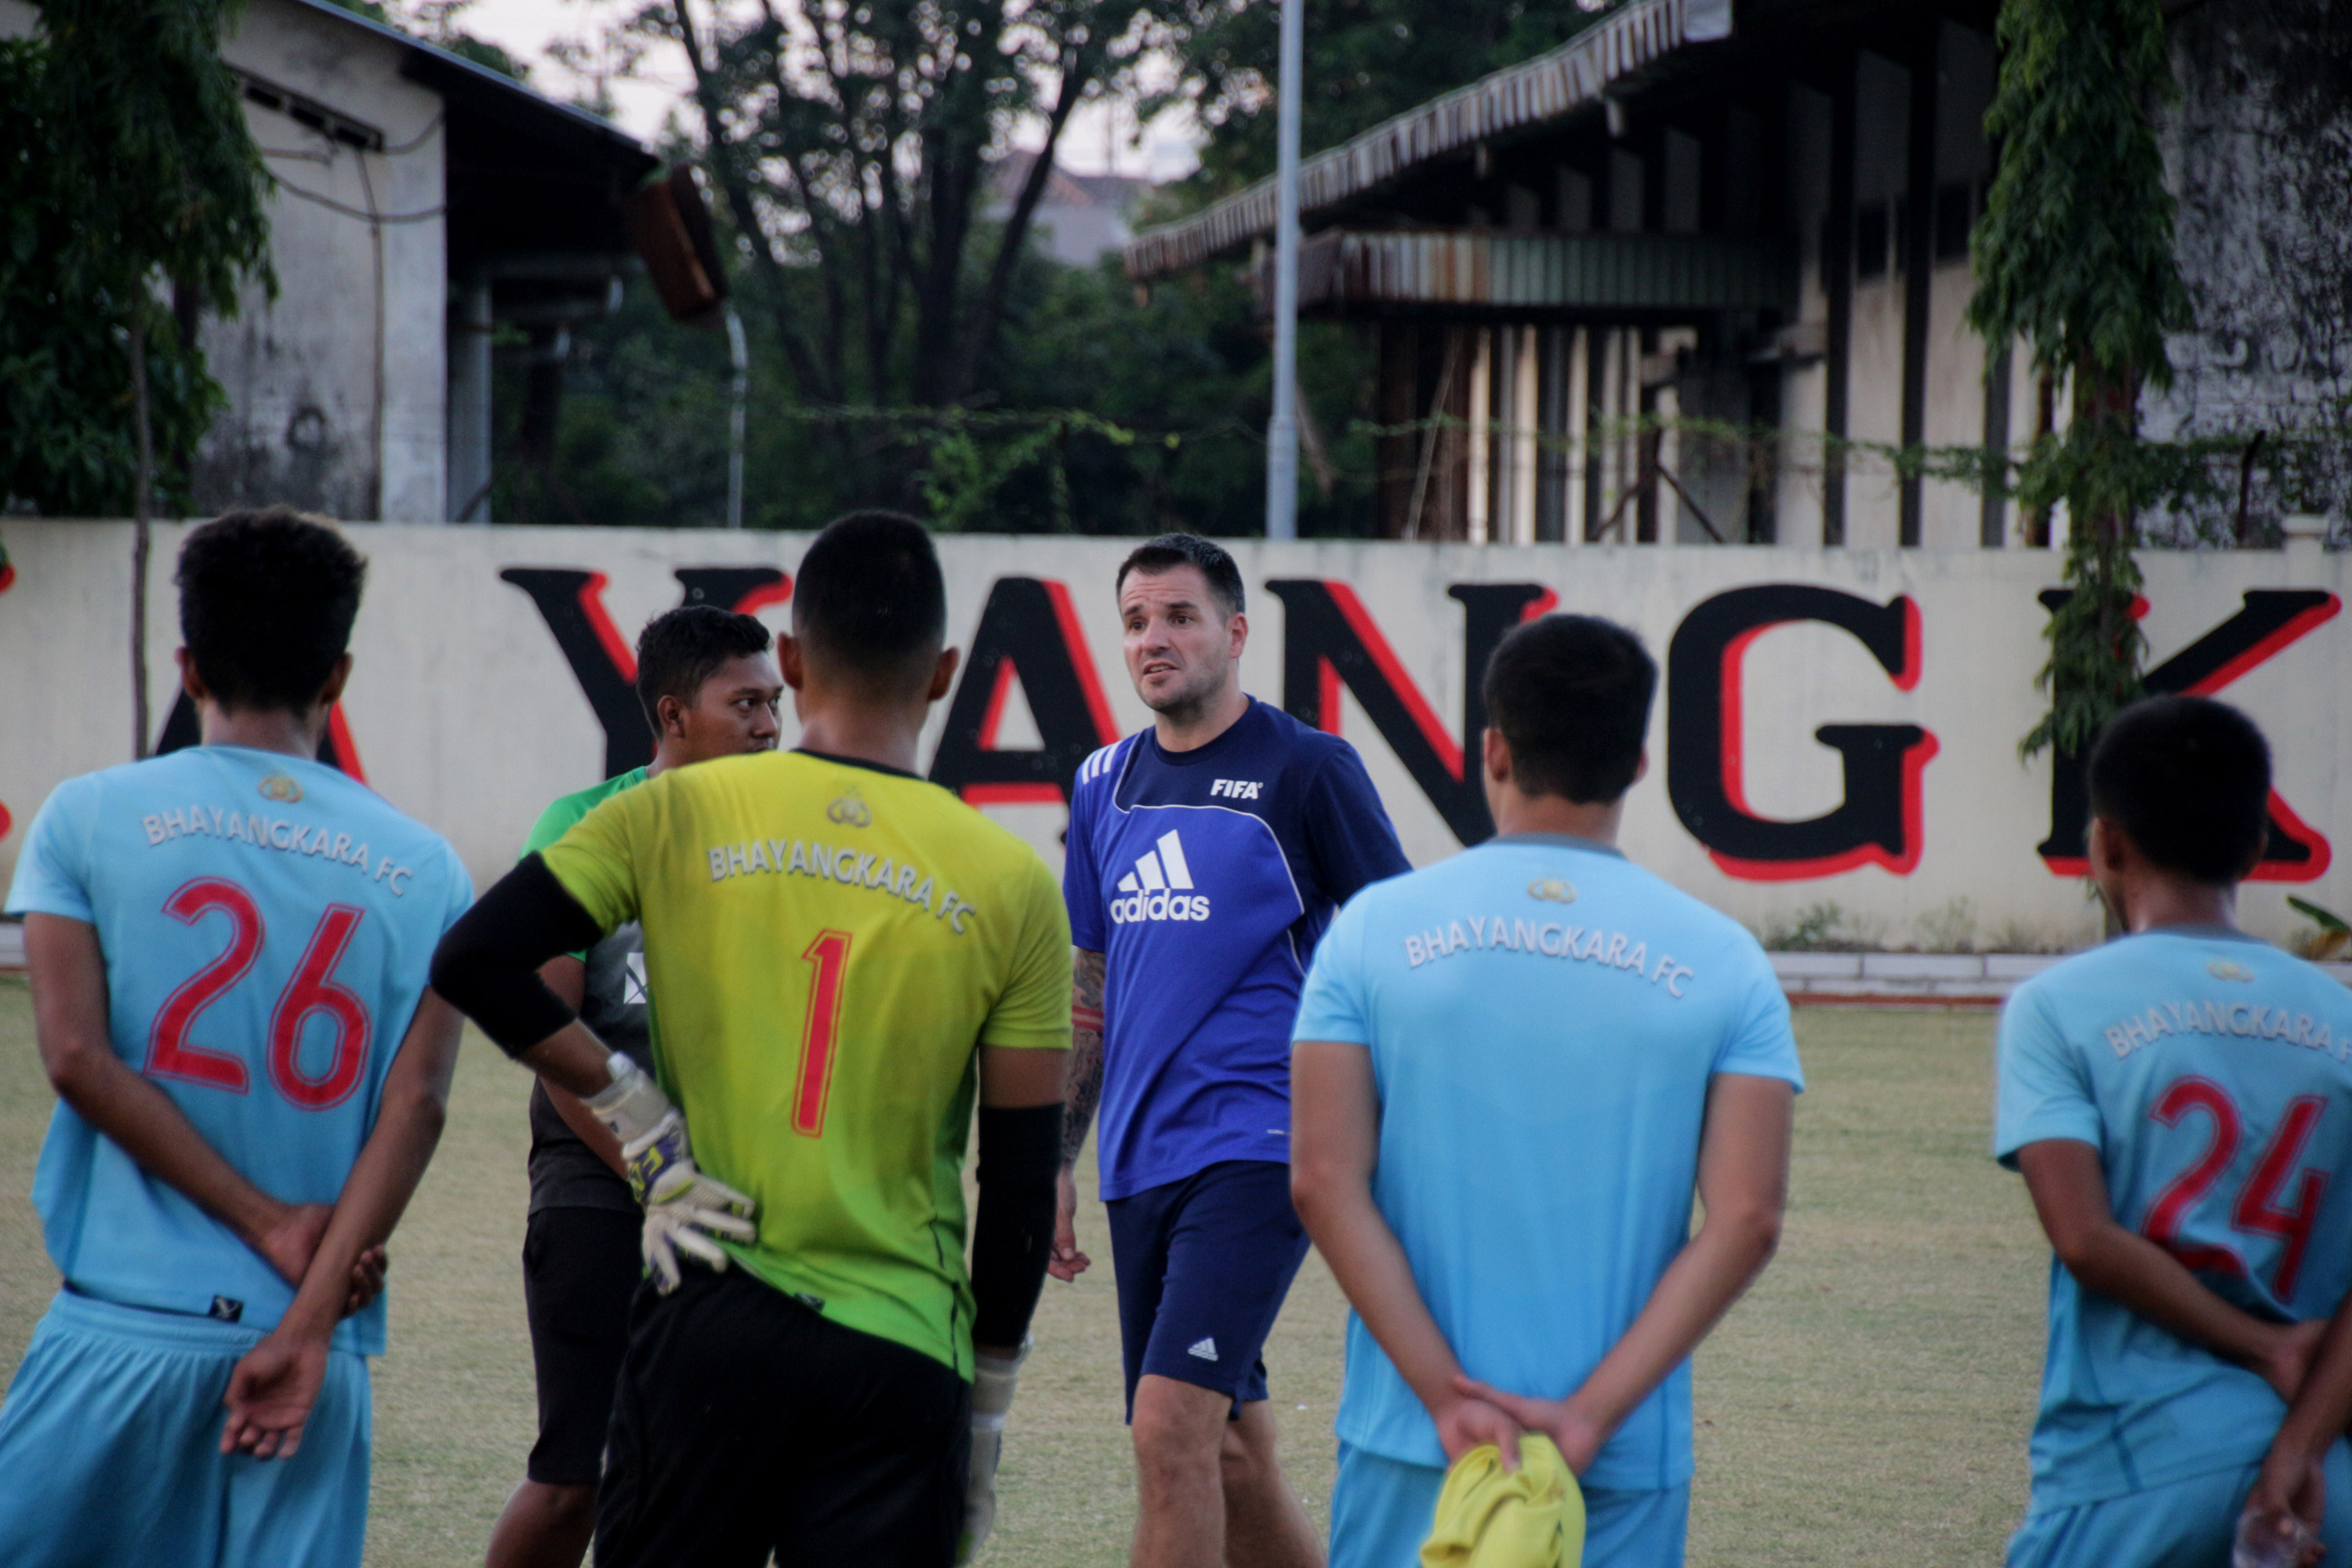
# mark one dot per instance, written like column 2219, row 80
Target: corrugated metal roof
column 454, row 70
column 1536, row 90
column 1481, row 267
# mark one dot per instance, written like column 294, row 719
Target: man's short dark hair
column 267, row 602
column 1572, row 696
column 2190, row 780
column 681, row 648
column 870, row 596
column 1170, row 551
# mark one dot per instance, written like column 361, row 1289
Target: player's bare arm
column 68, row 970
column 2291, row 1481
column 1334, row 1131
column 1083, row 1093
column 2070, row 1195
column 1743, row 1185
column 274, row 1387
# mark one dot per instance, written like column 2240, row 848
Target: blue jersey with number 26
column 2213, row 1075
column 268, row 924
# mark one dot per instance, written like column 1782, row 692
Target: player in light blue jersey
column 2179, row 1102
column 1512, row 1068
column 228, row 948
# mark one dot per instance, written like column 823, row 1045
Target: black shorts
column 1204, row 1264
column 580, row 1269
column 746, row 1424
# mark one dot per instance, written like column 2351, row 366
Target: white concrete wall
column 337, row 386
column 466, row 715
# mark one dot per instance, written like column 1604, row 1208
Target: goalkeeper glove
column 684, row 1208
column 993, row 1380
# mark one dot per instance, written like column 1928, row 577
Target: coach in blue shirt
column 1206, row 855
column 1512, row 1068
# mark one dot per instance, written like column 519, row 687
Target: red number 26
column 313, row 992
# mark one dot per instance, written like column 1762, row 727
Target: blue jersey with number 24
column 268, row 924
column 2213, row 1075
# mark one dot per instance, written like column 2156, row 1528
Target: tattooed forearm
column 1083, row 1088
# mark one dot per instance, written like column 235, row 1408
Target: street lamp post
column 1282, row 431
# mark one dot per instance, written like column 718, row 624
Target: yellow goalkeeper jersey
column 828, row 943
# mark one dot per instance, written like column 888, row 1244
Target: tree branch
column 731, row 180
column 1076, row 73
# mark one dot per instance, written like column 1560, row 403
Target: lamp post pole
column 1282, row 431
column 739, row 389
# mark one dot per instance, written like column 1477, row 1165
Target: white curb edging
column 1949, row 979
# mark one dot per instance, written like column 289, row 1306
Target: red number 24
column 2256, row 1211
column 312, row 992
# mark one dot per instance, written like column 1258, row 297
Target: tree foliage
column 853, row 139
column 1098, row 413
column 125, row 166
column 2075, row 253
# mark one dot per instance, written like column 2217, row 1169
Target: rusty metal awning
column 1550, row 85
column 1473, row 269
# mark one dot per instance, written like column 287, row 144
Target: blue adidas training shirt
column 1206, row 878
column 1544, row 1018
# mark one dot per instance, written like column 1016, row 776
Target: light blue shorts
column 110, row 1452
column 2183, row 1524
column 1382, row 1511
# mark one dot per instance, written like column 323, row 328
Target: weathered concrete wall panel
column 2259, row 151
column 467, row 710
column 337, row 386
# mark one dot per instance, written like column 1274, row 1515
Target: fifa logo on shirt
column 1237, row 789
column 1159, row 888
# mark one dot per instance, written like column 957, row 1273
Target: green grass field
column 1866, row 1404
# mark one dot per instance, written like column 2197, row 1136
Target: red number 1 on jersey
column 820, row 1030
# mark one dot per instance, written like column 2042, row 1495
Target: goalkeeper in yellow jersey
column 840, row 955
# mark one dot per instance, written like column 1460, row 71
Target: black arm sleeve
column 488, row 963
column 1020, row 1156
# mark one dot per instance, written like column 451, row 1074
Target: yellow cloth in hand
column 1489, row 1517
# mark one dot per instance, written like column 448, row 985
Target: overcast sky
column 1098, row 138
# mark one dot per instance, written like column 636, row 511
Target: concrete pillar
column 470, row 403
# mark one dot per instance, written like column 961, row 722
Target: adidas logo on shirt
column 1205, row 1349
column 1159, row 888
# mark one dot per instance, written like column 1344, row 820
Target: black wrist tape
column 1013, row 1236
column 488, row 963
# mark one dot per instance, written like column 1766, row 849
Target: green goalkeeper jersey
column 831, row 942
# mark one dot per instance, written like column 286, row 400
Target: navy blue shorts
column 1204, row 1264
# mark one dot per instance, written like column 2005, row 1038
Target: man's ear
column 190, row 682
column 1496, row 755
column 1641, row 767
column 337, row 677
column 669, row 717
column 1237, row 629
column 789, row 661
column 943, row 673
column 2110, row 848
